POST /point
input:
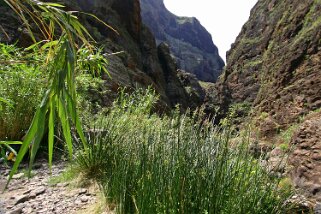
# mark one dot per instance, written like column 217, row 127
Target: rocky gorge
column 272, row 76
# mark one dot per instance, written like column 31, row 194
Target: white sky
column 222, row 18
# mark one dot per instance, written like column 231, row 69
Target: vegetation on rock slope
column 274, row 65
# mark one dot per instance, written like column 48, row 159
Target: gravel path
column 37, row 196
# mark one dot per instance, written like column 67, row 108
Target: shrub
column 174, row 164
column 90, row 92
column 21, row 84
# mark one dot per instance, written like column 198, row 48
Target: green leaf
column 65, row 125
column 7, row 102
column 51, row 127
column 10, row 142
column 50, row 44
column 38, row 136
column 54, row 4
column 35, row 45
column 76, row 120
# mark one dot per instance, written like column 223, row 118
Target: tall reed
column 176, row 164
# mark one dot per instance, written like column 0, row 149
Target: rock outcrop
column 142, row 63
column 182, row 88
column 189, row 41
column 306, row 157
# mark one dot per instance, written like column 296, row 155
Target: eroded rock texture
column 275, row 66
column 306, row 157
column 275, row 63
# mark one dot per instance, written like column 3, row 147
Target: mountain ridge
column 190, row 43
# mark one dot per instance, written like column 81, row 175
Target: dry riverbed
column 39, row 195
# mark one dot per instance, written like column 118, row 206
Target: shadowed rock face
column 143, row 63
column 137, row 65
column 190, row 43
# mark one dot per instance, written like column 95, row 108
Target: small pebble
column 16, row 211
column 62, row 184
column 40, row 191
column 84, row 199
column 18, row 176
column 82, row 191
column 21, row 199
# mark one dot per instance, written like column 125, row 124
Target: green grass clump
column 67, row 175
column 174, row 164
column 287, row 134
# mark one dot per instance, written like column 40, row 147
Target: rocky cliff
column 274, row 66
column 139, row 61
column 189, row 41
column 274, row 63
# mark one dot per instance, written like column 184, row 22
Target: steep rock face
column 131, row 51
column 190, row 43
column 275, row 66
column 141, row 64
column 275, row 63
column 132, row 19
column 191, row 94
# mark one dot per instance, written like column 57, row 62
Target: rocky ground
column 37, row 195
column 43, row 194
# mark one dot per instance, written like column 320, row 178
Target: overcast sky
column 222, row 18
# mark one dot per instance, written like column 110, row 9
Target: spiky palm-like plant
column 62, row 34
